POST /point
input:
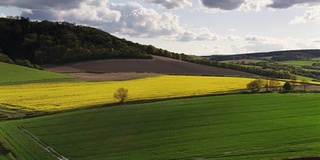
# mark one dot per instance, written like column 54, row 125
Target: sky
column 194, row 27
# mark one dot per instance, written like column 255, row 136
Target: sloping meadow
column 58, row 96
column 15, row 74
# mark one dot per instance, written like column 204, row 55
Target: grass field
column 245, row 60
column 69, row 95
column 297, row 63
column 13, row 74
column 254, row 126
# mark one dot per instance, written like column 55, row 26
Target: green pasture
column 247, row 126
column 13, row 74
column 297, row 63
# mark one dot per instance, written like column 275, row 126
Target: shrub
column 287, row 87
column 25, row 63
column 4, row 58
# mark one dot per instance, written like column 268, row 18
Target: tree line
column 275, row 85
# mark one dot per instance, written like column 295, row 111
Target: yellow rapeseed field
column 69, row 95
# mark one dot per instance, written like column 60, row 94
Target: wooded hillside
column 61, row 42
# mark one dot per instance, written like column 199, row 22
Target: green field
column 247, row 126
column 13, row 74
column 297, row 63
column 245, row 60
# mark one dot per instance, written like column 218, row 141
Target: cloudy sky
column 197, row 27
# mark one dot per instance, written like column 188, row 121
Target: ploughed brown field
column 157, row 65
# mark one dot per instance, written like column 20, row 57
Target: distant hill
column 13, row 74
column 271, row 56
column 290, row 64
column 61, row 42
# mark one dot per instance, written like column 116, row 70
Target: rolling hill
column 290, row 64
column 159, row 65
column 271, row 56
column 13, row 74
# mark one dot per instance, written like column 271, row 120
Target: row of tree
column 274, row 85
column 270, row 85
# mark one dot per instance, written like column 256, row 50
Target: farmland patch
column 242, row 127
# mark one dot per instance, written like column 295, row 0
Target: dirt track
column 158, row 65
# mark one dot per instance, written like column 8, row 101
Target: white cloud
column 91, row 12
column 258, row 43
column 96, row 12
column 205, row 34
column 253, row 38
column 139, row 21
column 312, row 15
column 232, row 30
column 263, row 43
column 233, row 38
column 171, row 4
column 202, row 34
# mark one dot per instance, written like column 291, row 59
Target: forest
column 44, row 42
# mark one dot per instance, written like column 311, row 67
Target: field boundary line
column 43, row 145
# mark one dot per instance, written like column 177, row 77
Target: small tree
column 255, row 85
column 273, row 84
column 287, row 87
column 121, row 94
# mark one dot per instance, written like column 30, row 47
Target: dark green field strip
column 254, row 126
column 21, row 144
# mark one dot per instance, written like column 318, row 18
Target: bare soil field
column 111, row 76
column 132, row 67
